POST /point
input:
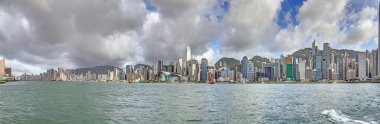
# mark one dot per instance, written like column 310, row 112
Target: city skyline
column 305, row 65
column 45, row 34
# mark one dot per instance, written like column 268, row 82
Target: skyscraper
column 345, row 66
column 159, row 68
column 326, row 60
column 314, row 52
column 250, row 71
column 116, row 74
column 8, row 72
column 128, row 69
column 193, row 70
column 302, row 69
column 244, row 67
column 269, row 73
column 289, row 68
column 317, row 72
column 188, row 59
column 361, row 65
column 340, row 69
column 188, row 54
column 128, row 72
column 2, row 67
column 179, row 66
column 204, row 64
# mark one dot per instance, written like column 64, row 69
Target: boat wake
column 339, row 117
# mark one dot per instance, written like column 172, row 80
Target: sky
column 36, row 35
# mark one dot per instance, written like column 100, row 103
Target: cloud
column 167, row 38
column 175, row 8
column 250, row 24
column 332, row 22
column 39, row 34
column 364, row 29
column 82, row 33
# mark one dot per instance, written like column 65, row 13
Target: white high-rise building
column 116, row 74
column 2, row 67
column 111, row 75
column 179, row 66
column 188, row 54
column 302, row 69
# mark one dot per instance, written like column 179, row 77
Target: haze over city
column 36, row 35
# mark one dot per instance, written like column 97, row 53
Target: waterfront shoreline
column 328, row 82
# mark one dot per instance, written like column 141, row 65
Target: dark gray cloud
column 175, row 8
column 42, row 31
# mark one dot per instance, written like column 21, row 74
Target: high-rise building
column 250, row 71
column 302, row 69
column 326, row 60
column 129, row 69
column 308, row 74
column 314, row 52
column 276, row 67
column 111, row 75
column 373, row 63
column 244, row 67
column 282, row 68
column 345, row 66
column 361, row 65
column 204, row 70
column 8, row 72
column 187, row 65
column 129, row 72
column 269, row 73
column 179, row 66
column 2, row 67
column 317, row 72
column 188, row 54
column 116, row 74
column 340, row 69
column 290, row 68
column 159, row 68
column 193, row 70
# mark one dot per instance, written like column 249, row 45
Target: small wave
column 339, row 117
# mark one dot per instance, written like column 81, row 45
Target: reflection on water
column 80, row 102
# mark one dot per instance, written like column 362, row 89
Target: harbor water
column 96, row 102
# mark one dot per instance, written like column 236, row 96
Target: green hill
column 258, row 60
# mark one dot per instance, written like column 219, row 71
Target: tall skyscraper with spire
column 188, row 53
column 188, row 58
column 314, row 52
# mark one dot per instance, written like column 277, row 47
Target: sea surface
column 94, row 102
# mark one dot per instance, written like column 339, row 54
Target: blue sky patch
column 149, row 6
column 288, row 13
